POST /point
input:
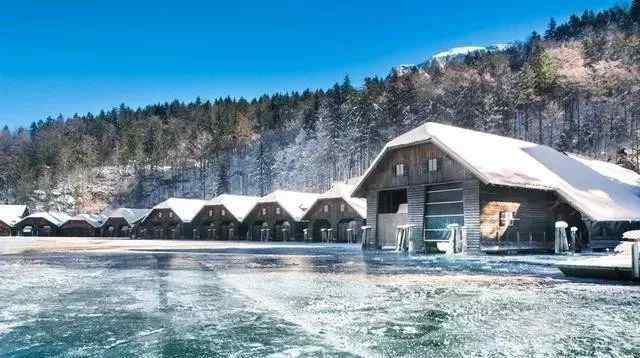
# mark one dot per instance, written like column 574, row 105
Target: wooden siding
column 415, row 159
column 5, row 230
column 163, row 224
column 272, row 219
column 38, row 225
column 78, row 228
column 532, row 227
column 318, row 217
column 203, row 223
column 471, row 198
column 415, row 201
column 372, row 214
column 118, row 224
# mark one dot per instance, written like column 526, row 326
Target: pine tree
column 634, row 11
column 551, row 29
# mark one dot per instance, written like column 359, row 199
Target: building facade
column 279, row 216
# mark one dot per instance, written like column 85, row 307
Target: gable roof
column 11, row 214
column 185, row 209
column 238, row 205
column 601, row 192
column 293, row 202
column 128, row 214
column 54, row 217
column 94, row 220
column 340, row 190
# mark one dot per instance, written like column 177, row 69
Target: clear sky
column 79, row 56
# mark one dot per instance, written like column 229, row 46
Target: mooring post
column 365, row 236
column 635, row 260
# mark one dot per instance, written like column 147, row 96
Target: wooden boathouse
column 83, row 225
column 222, row 218
column 170, row 220
column 120, row 222
column 336, row 216
column 505, row 193
column 9, row 216
column 278, row 216
column 41, row 224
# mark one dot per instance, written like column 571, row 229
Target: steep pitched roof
column 238, row 205
column 129, row 215
column 340, row 190
column 54, row 217
column 185, row 209
column 511, row 162
column 91, row 219
column 293, row 202
column 11, row 214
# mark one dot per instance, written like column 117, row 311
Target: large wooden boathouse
column 222, row 218
column 9, row 216
column 170, row 220
column 336, row 216
column 278, row 216
column 505, row 193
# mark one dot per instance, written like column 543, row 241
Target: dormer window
column 399, row 170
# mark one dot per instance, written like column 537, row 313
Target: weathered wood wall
column 316, row 216
column 163, row 224
column 472, row 220
column 219, row 218
column 532, row 227
column 273, row 220
column 415, row 159
column 39, row 225
column 77, row 228
column 118, row 224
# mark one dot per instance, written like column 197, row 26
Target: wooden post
column 635, row 260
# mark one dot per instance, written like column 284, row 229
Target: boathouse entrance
column 392, row 212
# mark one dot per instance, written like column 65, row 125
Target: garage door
column 443, row 206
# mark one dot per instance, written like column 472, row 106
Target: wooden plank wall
column 415, row 201
column 471, row 206
column 372, row 214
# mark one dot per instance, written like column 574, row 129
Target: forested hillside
column 576, row 87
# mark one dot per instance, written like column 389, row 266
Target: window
column 399, row 170
column 277, row 211
column 432, row 165
column 342, row 207
column 264, row 211
column 506, row 218
column 210, row 212
column 160, row 214
column 223, row 212
column 170, row 214
column 326, row 208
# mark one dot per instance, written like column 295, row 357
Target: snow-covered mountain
column 455, row 54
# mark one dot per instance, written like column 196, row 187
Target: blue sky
column 79, row 56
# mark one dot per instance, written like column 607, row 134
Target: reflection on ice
column 312, row 301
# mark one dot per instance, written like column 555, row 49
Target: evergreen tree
column 634, row 11
column 551, row 29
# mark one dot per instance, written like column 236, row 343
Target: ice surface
column 281, row 300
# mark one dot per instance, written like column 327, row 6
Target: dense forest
column 576, row 87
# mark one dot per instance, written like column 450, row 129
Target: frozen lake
column 152, row 299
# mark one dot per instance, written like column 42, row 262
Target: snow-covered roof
column 130, row 215
column 91, row 219
column 185, row 209
column 238, row 205
column 340, row 190
column 11, row 214
column 598, row 190
column 55, row 217
column 293, row 202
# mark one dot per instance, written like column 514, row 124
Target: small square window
column 399, row 170
column 342, row 207
column 277, row 211
column 326, row 208
column 264, row 211
column 506, row 218
column 432, row 165
column 170, row 214
column 223, row 212
column 210, row 212
column 160, row 214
